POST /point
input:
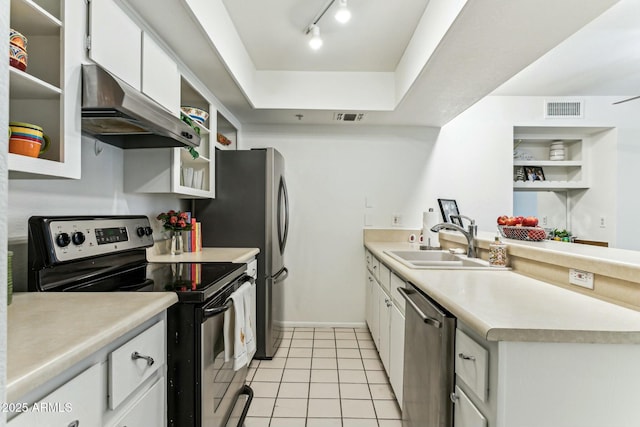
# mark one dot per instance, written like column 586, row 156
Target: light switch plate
column 581, row 278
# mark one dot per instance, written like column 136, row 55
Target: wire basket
column 534, row 234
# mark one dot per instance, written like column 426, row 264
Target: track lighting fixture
column 343, row 15
column 315, row 42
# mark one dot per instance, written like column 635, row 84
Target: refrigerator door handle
column 280, row 275
column 283, row 229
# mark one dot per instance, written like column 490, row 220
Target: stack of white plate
column 556, row 150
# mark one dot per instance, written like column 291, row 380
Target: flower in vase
column 175, row 221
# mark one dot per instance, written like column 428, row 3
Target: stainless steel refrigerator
column 251, row 209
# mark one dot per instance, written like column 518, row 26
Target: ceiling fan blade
column 626, row 100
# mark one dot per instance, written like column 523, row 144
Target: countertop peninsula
column 507, row 306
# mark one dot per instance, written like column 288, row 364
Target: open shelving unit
column 569, row 174
column 46, row 93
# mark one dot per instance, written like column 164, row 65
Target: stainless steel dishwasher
column 428, row 362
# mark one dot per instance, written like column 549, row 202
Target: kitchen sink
column 441, row 260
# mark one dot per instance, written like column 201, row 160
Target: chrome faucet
column 470, row 233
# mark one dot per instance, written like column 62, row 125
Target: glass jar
column 177, row 244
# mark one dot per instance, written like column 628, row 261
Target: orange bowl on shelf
column 24, row 147
column 27, row 139
column 17, row 39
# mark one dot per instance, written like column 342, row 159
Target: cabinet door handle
column 135, row 356
column 75, row 423
column 454, row 397
column 465, row 357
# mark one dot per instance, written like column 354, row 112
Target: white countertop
column 237, row 255
column 49, row 332
column 506, row 306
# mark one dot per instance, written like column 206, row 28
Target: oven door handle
column 214, row 311
column 208, row 312
column 247, row 278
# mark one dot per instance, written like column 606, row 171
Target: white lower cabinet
column 384, row 302
column 86, row 399
column 465, row 414
column 369, row 309
column 385, row 319
column 396, row 351
column 374, row 327
column 148, row 410
column 76, row 403
column 134, row 362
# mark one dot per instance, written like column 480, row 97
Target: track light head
column 343, row 15
column 315, row 42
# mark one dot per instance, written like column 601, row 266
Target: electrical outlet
column 396, row 220
column 581, row 278
column 603, row 222
column 545, row 220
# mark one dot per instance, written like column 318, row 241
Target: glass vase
column 176, row 243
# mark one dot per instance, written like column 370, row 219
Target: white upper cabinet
column 116, row 41
column 47, row 93
column 121, row 47
column 160, row 76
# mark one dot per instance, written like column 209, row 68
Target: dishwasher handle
column 426, row 319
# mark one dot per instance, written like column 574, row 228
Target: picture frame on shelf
column 519, row 174
column 449, row 207
column 534, row 173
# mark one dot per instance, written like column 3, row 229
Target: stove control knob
column 63, row 240
column 78, row 238
column 140, row 231
column 148, row 231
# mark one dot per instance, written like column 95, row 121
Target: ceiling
column 420, row 64
column 274, row 33
column 602, row 59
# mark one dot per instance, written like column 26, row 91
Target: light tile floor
column 322, row 377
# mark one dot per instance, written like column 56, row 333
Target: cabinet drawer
column 465, row 414
column 375, row 267
column 126, row 373
column 369, row 259
column 149, row 410
column 472, row 364
column 78, row 402
column 384, row 276
column 396, row 283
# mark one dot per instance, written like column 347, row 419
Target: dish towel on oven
column 235, row 347
column 247, row 293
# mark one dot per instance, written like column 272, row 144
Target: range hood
column 116, row 113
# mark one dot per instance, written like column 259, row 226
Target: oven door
column 221, row 385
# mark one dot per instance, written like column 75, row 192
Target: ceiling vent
column 348, row 117
column 564, row 109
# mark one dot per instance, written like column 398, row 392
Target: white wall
column 99, row 192
column 329, row 172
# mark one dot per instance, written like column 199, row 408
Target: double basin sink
column 440, row 260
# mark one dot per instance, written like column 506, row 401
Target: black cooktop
column 193, row 282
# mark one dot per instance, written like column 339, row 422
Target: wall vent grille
column 564, row 109
column 348, row 117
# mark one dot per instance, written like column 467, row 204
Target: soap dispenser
column 497, row 253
